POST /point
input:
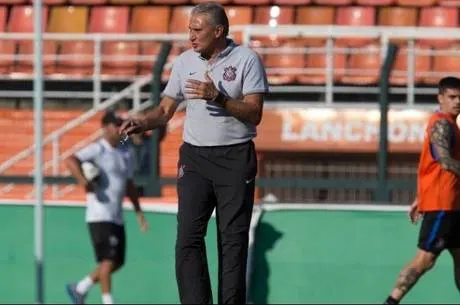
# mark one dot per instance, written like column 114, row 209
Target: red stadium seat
column 51, row 2
column 398, row 17
column 400, row 68
column 292, row 2
column 445, row 64
column 251, row 2
column 6, row 46
column 21, row 19
column 88, row 2
column 150, row 19
column 217, row 1
column 315, row 15
column 3, row 18
column 14, row 2
column 441, row 17
column 26, row 66
column 128, row 2
column 315, row 61
column 363, row 68
column 416, row 2
column 355, row 16
column 169, row 2
column 109, row 19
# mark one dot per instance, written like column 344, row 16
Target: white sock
column 84, row 285
column 107, row 298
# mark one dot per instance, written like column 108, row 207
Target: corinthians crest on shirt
column 229, row 73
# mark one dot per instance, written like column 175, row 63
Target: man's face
column 111, row 132
column 203, row 34
column 450, row 101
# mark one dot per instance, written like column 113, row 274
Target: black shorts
column 440, row 230
column 108, row 241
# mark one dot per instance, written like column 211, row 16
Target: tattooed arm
column 441, row 139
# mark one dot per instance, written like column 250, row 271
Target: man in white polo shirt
column 224, row 85
column 104, row 212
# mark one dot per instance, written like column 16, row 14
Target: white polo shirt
column 116, row 166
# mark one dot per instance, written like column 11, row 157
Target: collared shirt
column 116, row 167
column 237, row 71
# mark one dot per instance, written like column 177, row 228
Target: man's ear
column 219, row 31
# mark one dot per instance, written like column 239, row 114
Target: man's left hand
column 143, row 225
column 195, row 89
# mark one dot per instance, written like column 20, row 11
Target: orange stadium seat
column 13, row 2
column 315, row 15
column 284, row 59
column 292, row 2
column 149, row 20
column 315, row 60
column 120, row 58
column 363, row 68
column 21, row 19
column 51, row 2
column 399, row 17
column 128, row 2
column 251, row 2
column 333, row 2
column 77, row 58
column 449, row 2
column 416, row 2
column 238, row 15
column 375, row 2
column 273, row 16
column 355, row 16
column 218, row 1
column 68, row 19
column 444, row 64
column 180, row 19
column 169, row 2
column 400, row 68
column 88, row 2
column 441, row 17
column 109, row 19
column 26, row 66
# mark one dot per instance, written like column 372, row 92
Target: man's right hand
column 89, row 188
column 414, row 213
column 133, row 125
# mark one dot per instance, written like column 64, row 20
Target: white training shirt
column 116, row 166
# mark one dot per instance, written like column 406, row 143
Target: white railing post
column 136, row 97
column 329, row 70
column 55, row 165
column 97, row 71
column 411, row 72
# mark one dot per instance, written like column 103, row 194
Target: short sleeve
column 88, row 153
column 173, row 88
column 254, row 77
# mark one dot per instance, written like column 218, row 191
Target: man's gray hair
column 216, row 13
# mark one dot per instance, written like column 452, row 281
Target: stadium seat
column 375, row 2
column 128, row 2
column 400, row 69
column 292, row 2
column 416, row 2
column 3, row 17
column 119, row 58
column 398, row 17
column 26, row 66
column 13, row 2
column 217, row 1
column 180, row 19
column 21, row 19
column 284, row 58
column 315, row 61
column 355, row 16
column 109, row 19
column 68, row 19
column 169, row 2
column 449, row 2
column 51, row 2
column 88, row 2
column 363, row 68
column 315, row 15
column 272, row 16
column 251, row 2
column 150, row 19
column 333, row 2
column 76, row 58
column 445, row 64
column 238, row 15
column 441, row 17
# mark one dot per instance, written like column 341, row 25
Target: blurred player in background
column 104, row 213
column 438, row 194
